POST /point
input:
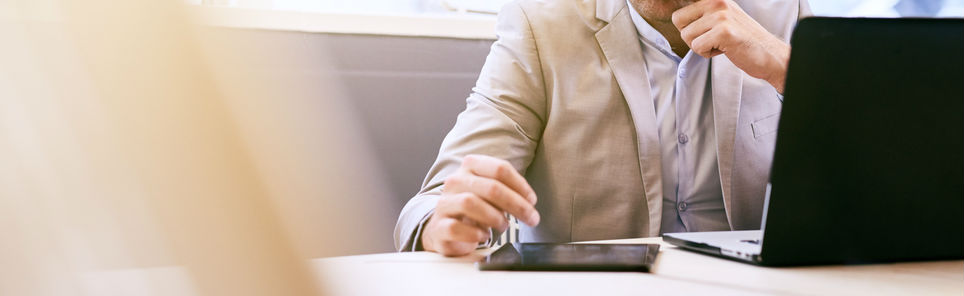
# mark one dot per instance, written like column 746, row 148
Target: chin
column 659, row 10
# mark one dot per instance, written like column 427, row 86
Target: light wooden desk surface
column 676, row 272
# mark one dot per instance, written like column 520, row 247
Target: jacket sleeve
column 504, row 118
column 804, row 10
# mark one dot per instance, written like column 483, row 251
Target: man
column 629, row 119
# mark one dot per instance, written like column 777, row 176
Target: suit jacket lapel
column 727, row 84
column 624, row 54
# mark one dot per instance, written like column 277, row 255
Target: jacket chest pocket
column 765, row 126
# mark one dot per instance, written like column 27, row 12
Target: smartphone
column 571, row 257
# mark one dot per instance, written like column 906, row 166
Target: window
column 888, row 8
column 473, row 19
column 849, row 8
column 404, row 7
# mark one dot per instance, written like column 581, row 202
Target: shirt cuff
column 417, row 238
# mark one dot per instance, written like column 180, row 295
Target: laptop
column 869, row 158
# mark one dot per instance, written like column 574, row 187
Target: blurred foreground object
column 135, row 159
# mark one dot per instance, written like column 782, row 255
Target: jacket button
column 683, row 138
column 681, row 206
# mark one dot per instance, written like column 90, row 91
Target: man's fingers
column 455, row 230
column 506, row 199
column 702, row 25
column 483, row 213
column 454, row 248
column 495, row 193
column 710, row 43
column 497, row 183
column 473, row 207
column 491, row 167
column 450, row 237
column 685, row 16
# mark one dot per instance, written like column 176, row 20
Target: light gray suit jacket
column 564, row 97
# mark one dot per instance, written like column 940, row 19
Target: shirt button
column 682, row 206
column 683, row 138
column 682, row 73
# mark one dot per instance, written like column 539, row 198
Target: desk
column 676, row 272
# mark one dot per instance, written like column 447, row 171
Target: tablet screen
column 584, row 257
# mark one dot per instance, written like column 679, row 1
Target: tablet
column 571, row 257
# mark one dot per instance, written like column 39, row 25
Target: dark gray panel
column 408, row 92
column 405, row 91
column 427, row 55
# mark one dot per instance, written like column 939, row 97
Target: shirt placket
column 681, row 96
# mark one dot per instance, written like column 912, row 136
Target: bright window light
column 845, row 8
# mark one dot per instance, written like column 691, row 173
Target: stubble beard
column 659, row 10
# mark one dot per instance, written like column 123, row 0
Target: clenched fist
column 714, row 27
column 475, row 200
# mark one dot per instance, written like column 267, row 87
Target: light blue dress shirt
column 681, row 89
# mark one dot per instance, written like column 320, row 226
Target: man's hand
column 714, row 27
column 474, row 200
